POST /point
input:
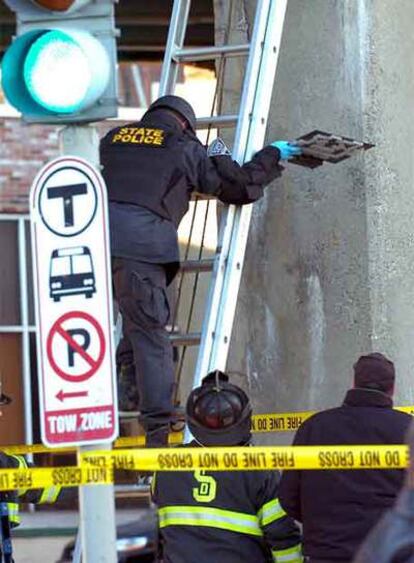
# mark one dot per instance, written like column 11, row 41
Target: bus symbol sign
column 71, row 272
column 73, row 304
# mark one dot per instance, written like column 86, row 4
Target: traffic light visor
column 48, row 6
column 56, row 5
column 58, row 71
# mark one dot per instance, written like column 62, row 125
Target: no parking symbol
column 75, row 346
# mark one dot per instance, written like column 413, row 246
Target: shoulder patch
column 218, row 148
column 139, row 136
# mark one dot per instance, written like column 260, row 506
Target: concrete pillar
column 329, row 271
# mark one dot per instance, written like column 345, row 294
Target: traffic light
column 62, row 65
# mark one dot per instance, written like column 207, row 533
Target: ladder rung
column 217, row 120
column 128, row 490
column 205, row 265
column 189, row 339
column 190, row 54
column 128, row 414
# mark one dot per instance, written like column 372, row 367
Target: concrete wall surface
column 329, row 266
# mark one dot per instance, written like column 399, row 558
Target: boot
column 178, row 419
column 157, row 437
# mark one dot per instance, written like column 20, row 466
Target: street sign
column 73, row 302
column 92, row 332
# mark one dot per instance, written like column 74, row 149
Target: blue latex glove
column 287, row 150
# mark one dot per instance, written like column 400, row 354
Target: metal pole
column 77, row 552
column 97, row 503
column 24, row 321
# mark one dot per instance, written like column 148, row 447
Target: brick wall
column 24, row 149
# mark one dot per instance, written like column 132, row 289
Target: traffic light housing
column 62, row 64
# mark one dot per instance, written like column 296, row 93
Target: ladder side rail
column 175, row 40
column 266, row 79
column 214, row 299
column 251, row 82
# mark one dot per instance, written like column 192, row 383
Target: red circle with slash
column 58, row 329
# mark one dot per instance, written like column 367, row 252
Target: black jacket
column 157, row 165
column 338, row 508
column 228, row 517
column 392, row 539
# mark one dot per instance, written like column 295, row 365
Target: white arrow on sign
column 73, row 395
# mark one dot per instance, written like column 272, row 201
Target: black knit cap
column 374, row 371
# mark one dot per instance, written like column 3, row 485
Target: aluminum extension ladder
column 250, row 122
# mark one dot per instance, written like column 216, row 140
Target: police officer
column 151, row 168
column 224, row 516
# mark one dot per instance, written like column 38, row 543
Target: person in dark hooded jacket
column 392, row 539
column 337, row 508
column 151, row 168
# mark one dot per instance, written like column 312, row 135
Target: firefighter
column 337, row 508
column 10, row 500
column 226, row 516
column 151, row 168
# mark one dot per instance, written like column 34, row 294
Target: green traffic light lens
column 57, row 72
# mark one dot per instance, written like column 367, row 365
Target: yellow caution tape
column 41, row 477
column 282, row 422
column 290, row 421
column 253, row 458
column 408, row 410
column 174, row 439
column 279, row 422
column 98, row 467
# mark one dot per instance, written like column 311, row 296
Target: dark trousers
column 140, row 290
